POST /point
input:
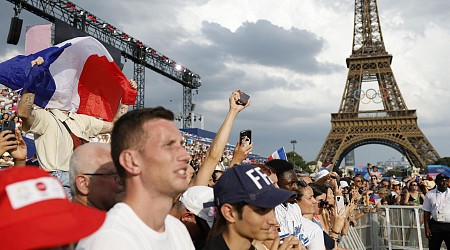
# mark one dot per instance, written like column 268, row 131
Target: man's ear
column 229, row 213
column 188, row 217
column 129, row 160
column 82, row 184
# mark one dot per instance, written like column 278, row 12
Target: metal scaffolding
column 131, row 48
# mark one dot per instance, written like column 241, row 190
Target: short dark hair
column 280, row 166
column 128, row 131
column 220, row 222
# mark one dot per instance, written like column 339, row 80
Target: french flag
column 279, row 154
column 374, row 198
column 78, row 75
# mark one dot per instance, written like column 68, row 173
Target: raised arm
column 218, row 145
column 25, row 110
column 240, row 152
column 25, row 107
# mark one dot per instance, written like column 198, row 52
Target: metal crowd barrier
column 389, row 227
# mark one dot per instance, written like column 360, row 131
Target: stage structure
column 395, row 125
column 131, row 48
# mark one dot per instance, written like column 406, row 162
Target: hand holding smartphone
column 11, row 126
column 339, row 203
column 243, row 98
column 247, row 134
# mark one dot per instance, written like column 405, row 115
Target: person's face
column 330, row 196
column 288, row 181
column 366, row 184
column 384, row 183
column 319, row 199
column 308, row 204
column 257, row 223
column 358, row 181
column 198, row 229
column 105, row 190
column 164, row 160
column 414, row 186
column 375, row 169
column 373, row 179
column 442, row 184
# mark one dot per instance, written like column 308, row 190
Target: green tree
column 443, row 161
column 296, row 159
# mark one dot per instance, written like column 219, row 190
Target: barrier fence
column 389, row 227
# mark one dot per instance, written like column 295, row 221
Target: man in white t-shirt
column 288, row 213
column 436, row 212
column 147, row 150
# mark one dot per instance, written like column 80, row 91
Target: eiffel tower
column 395, row 125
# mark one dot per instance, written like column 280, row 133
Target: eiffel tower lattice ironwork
column 395, row 125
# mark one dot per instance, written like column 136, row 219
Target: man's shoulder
column 216, row 243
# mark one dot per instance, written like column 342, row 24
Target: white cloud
column 293, row 91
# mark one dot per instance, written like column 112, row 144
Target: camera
column 323, row 204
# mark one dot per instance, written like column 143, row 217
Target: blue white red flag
column 374, row 198
column 279, row 154
column 78, row 75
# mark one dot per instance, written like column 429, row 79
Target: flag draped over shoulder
column 279, row 154
column 78, row 75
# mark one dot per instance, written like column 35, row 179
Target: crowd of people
column 150, row 187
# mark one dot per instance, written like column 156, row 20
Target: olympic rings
column 371, row 94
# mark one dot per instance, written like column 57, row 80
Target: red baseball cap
column 36, row 213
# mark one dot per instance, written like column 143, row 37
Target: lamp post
column 293, row 149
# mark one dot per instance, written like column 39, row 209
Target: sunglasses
column 358, row 181
column 302, row 183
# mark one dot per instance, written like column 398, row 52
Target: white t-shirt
column 289, row 217
column 438, row 201
column 311, row 232
column 123, row 229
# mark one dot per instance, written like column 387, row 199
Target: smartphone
column 339, row 203
column 243, row 98
column 245, row 133
column 11, row 126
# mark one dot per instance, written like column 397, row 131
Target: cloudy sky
column 288, row 55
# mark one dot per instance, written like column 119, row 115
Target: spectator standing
column 246, row 198
column 437, row 214
column 309, row 205
column 93, row 178
column 373, row 171
column 27, row 221
column 195, row 209
column 414, row 197
column 288, row 213
column 147, row 150
column 57, row 132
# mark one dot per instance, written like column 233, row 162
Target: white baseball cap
column 200, row 201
